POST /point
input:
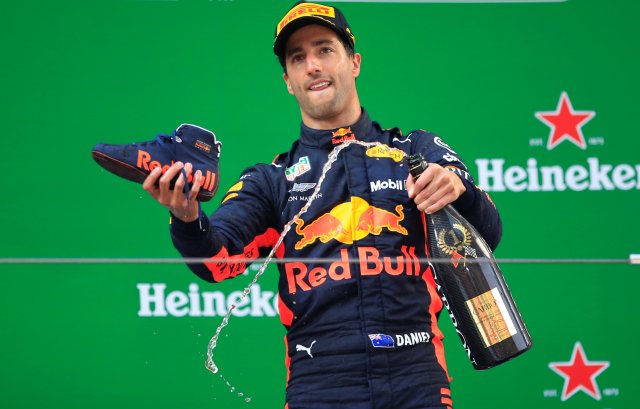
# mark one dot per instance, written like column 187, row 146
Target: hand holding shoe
column 158, row 185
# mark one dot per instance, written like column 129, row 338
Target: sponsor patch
column 441, row 143
column 450, row 158
column 399, row 184
column 302, row 167
column 348, row 222
column 381, row 341
column 302, row 187
column 300, row 347
column 463, row 174
column 413, row 338
column 232, row 192
column 385, row 152
column 369, row 261
column 306, row 9
column 342, row 135
column 399, row 340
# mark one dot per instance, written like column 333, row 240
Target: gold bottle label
column 491, row 317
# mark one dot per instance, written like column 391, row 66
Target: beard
column 323, row 110
column 324, row 107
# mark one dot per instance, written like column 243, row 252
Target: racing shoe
column 188, row 143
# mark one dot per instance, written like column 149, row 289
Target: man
column 361, row 329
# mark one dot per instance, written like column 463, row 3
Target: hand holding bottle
column 435, row 188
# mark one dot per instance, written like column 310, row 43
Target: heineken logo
column 543, row 174
column 496, row 175
column 565, row 123
column 156, row 300
column 580, row 374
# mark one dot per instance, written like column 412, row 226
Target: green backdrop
column 481, row 75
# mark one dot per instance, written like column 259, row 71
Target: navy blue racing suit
column 362, row 327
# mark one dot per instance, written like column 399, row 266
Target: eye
column 326, row 50
column 297, row 58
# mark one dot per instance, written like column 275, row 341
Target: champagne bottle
column 472, row 287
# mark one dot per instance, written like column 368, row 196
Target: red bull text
column 370, row 262
column 146, row 162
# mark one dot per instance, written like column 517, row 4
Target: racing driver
column 362, row 327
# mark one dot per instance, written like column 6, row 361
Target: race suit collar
column 362, row 130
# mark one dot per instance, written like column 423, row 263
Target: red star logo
column 579, row 374
column 565, row 123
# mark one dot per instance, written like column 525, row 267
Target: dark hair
column 347, row 47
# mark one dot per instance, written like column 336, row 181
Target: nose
column 313, row 65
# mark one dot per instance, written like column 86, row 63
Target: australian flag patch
column 381, row 341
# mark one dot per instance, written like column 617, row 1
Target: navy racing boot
column 188, row 143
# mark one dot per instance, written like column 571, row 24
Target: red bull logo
column 374, row 219
column 342, row 135
column 341, row 132
column 370, row 262
column 324, row 228
column 348, row 222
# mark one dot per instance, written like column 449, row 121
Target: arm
column 242, row 227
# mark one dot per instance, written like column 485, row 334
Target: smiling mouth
column 320, row 85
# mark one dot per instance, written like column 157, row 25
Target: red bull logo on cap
column 349, row 221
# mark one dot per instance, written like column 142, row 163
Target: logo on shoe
column 146, row 162
column 203, row 146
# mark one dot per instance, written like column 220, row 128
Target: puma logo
column 304, row 348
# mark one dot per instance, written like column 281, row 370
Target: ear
column 285, row 77
column 356, row 61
